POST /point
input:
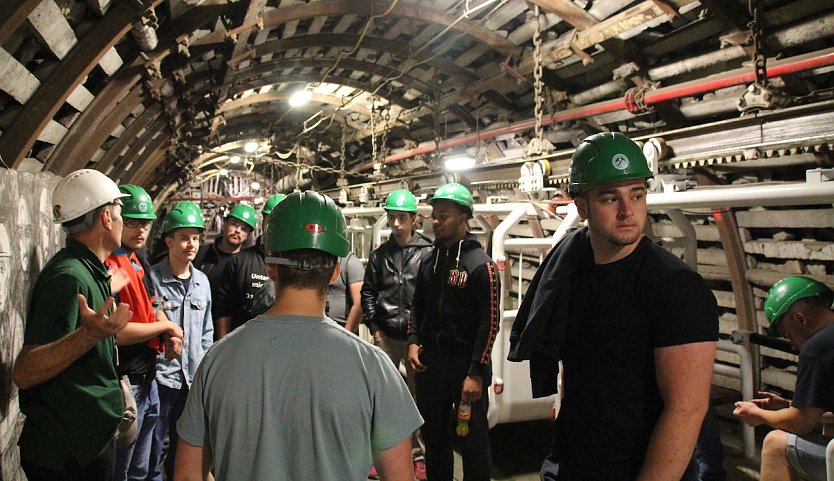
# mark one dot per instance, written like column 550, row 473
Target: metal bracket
column 759, row 97
column 505, row 68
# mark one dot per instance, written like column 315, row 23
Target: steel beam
column 24, row 131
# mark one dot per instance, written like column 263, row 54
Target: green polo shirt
column 76, row 412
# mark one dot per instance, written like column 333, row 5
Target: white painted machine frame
column 510, row 398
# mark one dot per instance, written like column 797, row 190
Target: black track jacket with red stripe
column 456, row 309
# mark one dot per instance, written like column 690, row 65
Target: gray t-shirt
column 296, row 398
column 338, row 304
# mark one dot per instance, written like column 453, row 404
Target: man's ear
column 801, row 318
column 106, row 218
column 336, row 272
column 581, row 206
column 272, row 272
column 169, row 241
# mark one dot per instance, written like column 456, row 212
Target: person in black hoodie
column 454, row 322
column 388, row 288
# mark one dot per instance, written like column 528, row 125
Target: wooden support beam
column 15, row 13
column 568, row 11
column 75, row 149
column 640, row 15
column 19, row 138
column 130, row 134
column 132, row 160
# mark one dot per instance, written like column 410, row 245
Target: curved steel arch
column 311, row 77
column 413, row 11
column 392, row 47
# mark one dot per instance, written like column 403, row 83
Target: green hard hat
column 401, row 199
column 307, row 220
column 784, row 293
column 245, row 214
column 138, row 205
column 605, row 158
column 456, row 193
column 184, row 214
column 271, row 203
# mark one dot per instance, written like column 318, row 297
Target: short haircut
column 87, row 221
column 316, row 278
column 816, row 303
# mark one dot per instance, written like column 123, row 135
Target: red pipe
column 210, row 199
column 736, row 77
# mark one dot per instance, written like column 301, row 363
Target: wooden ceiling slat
column 19, row 138
column 15, row 12
column 130, row 134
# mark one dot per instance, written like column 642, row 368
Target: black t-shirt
column 623, row 311
column 212, row 261
column 815, row 376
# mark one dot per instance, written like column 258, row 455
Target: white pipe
column 500, row 235
column 570, row 220
column 377, row 232
column 745, row 373
column 690, row 243
column 802, row 193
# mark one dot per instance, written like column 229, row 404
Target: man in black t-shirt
column 799, row 309
column 634, row 327
column 212, row 258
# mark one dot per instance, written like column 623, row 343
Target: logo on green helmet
column 620, row 162
column 142, row 207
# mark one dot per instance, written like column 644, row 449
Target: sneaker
column 420, row 468
column 372, row 474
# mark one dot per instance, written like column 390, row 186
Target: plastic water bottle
column 464, row 415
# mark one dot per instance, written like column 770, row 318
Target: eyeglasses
column 137, row 223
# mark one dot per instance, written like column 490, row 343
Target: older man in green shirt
column 66, row 371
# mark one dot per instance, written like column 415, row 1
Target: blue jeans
column 171, row 405
column 132, row 462
column 806, row 454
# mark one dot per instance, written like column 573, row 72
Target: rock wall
column 28, row 239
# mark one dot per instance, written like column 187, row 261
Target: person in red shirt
column 148, row 333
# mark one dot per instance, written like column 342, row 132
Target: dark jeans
column 438, row 394
column 99, row 469
column 171, row 405
column 709, row 452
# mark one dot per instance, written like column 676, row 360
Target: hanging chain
column 343, row 152
column 373, row 129
column 436, row 124
column 537, row 144
column 537, row 73
column 759, row 58
column 386, row 119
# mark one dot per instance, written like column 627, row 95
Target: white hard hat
column 81, row 192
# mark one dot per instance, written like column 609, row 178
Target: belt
column 140, row 379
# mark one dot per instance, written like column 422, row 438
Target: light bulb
column 251, row 146
column 300, row 97
column 459, row 162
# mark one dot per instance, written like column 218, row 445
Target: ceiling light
column 300, row 97
column 234, row 159
column 224, row 171
column 459, row 162
column 251, row 146
column 255, row 185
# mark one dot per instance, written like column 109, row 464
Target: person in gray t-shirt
column 290, row 394
column 343, row 302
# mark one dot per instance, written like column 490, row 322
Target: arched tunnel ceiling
column 148, row 90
